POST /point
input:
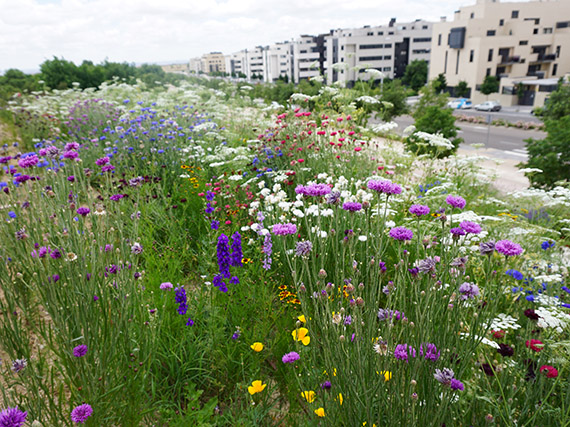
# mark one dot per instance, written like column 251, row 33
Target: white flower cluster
column 504, row 321
column 385, row 127
column 367, row 99
column 436, row 140
column 552, row 318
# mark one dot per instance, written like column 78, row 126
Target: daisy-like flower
column 70, row 256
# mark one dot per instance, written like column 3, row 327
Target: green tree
column 461, row 90
column 394, row 93
column 490, row 85
column 416, row 74
column 558, row 103
column 440, row 83
column 58, row 73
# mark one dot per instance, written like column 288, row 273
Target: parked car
column 460, row 104
column 488, row 106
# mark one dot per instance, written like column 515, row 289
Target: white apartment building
column 387, row 48
column 278, row 61
column 525, row 44
column 308, row 56
column 195, row 65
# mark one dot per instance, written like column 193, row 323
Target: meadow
column 182, row 256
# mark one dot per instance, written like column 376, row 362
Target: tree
column 415, row 75
column 490, row 85
column 558, row 103
column 394, row 93
column 440, row 83
column 461, row 90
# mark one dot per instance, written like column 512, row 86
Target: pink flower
column 550, row 371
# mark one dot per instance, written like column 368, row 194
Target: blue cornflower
column 515, row 274
column 12, row 214
column 547, row 245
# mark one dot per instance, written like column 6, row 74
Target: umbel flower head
column 256, row 387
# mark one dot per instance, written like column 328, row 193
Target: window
column 472, row 15
column 558, row 51
column 439, row 40
column 387, row 57
column 457, row 63
column 422, row 40
column 548, row 30
column 420, row 51
column 445, row 63
column 370, row 33
column 424, row 27
column 302, row 51
column 565, row 24
column 501, row 22
column 554, row 69
column 371, row 46
column 387, row 69
column 342, row 47
column 471, row 55
column 514, row 14
column 380, row 33
column 535, row 31
column 490, row 56
column 490, row 33
column 388, row 46
column 370, row 58
column 390, row 33
column 523, row 42
column 488, row 72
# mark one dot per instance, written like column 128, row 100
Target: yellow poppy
column 340, row 398
column 301, row 335
column 257, row 346
column 387, row 375
column 309, row 396
column 256, row 387
column 320, row 412
column 302, row 318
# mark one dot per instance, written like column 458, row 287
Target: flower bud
column 322, row 273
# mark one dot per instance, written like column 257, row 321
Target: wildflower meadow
column 190, row 256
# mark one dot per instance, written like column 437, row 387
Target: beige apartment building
column 213, row 62
column 525, row 44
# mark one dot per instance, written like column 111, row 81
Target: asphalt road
column 505, row 142
column 509, row 114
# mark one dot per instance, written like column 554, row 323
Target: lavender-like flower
column 352, row 206
column 455, row 384
column 470, row 227
column 427, row 265
column 83, row 211
column 444, row 376
column 457, row 232
column 429, row 351
column 136, row 249
column 333, row 197
column 456, row 201
column 166, row 286
column 419, row 210
column 384, row 186
column 267, row 251
column 237, row 254
column 219, row 283
column 224, row 260
column 303, row 248
column 487, row 248
column 468, row 290
column 12, row 417
column 403, row 352
column 102, row 161
column 508, row 248
column 136, row 181
column 290, row 357
column 80, row 413
column 401, row 233
column 181, row 298
column 19, row 365
column 284, row 229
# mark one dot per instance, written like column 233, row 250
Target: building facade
column 213, row 62
column 524, row 44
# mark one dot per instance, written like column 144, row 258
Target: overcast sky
column 161, row 31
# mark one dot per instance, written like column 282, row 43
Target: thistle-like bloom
column 429, row 351
column 28, row 161
column 301, row 334
column 18, row 365
column 257, row 347
column 316, row 190
column 303, row 248
column 224, row 256
column 166, row 286
column 80, row 350
column 419, row 210
column 401, row 233
column 12, row 417
column 444, row 376
column 468, row 290
column 80, row 413
column 384, row 186
column 352, row 206
column 458, row 231
column 455, row 384
column 508, row 248
column 487, row 248
column 470, row 227
column 403, row 351
column 102, row 161
column 256, row 387
column 237, row 254
column 456, row 201
column 284, row 229
column 290, row 357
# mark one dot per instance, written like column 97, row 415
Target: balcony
column 545, row 57
column 509, row 60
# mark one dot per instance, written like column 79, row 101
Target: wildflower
column 326, row 385
column 340, row 399
column 223, row 252
column 267, row 251
column 236, row 334
column 303, row 248
column 290, row 357
column 444, row 376
column 83, row 211
column 531, row 314
column 80, row 351
column 237, row 253
column 387, row 375
column 309, row 396
column 352, row 206
column 429, row 351
column 284, row 229
column 320, row 412
column 470, row 227
column 189, row 322
column 401, row 233
column 455, row 384
column 215, row 224
column 515, row 274
column 12, row 417
column 136, row 249
column 427, row 265
column 332, row 198
column 302, row 319
column 256, row 387
column 419, row 210
column 535, row 345
column 219, row 283
column 257, row 347
column 384, row 186
column 458, row 231
column 166, row 286
column 488, row 369
column 505, row 350
column 402, row 352
column 301, row 334
column 18, row 365
column 181, row 299
column 381, row 348
column 455, row 201
column 487, row 248
column 549, row 371
column 116, row 197
column 468, row 290
column 80, row 413
column 546, row 245
column 316, row 190
column 508, row 248
column 102, row 161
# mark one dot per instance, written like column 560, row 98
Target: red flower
column 498, row 334
column 532, row 344
column 550, row 371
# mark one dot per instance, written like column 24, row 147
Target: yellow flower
column 340, row 399
column 256, row 387
column 302, row 318
column 387, row 375
column 309, row 396
column 257, row 346
column 320, row 412
column 301, row 335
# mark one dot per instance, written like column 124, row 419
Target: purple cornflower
column 71, row 178
column 303, row 248
column 42, row 252
column 401, row 233
column 352, row 206
column 80, row 350
column 107, row 168
column 219, row 283
column 181, row 298
column 136, row 181
column 387, row 314
column 102, row 161
column 505, row 350
column 19, row 365
column 284, row 229
column 290, row 357
column 52, row 152
column 460, row 262
column 333, row 197
column 166, row 286
column 21, row 234
column 80, row 413
column 457, row 232
column 72, row 146
column 12, row 417
column 55, row 253
column 384, row 186
column 427, row 265
column 116, row 197
column 136, row 248
column 70, row 155
column 316, row 190
column 429, row 351
column 267, row 251
column 470, row 227
column 487, row 248
column 403, row 351
column 237, row 253
column 29, row 161
column 455, row 384
column 83, row 211
column 444, row 376
column 348, row 320
column 419, row 210
column 223, row 251
column 508, row 248
column 468, row 290
column 326, row 385
column 455, row 201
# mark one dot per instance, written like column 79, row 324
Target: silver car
column 488, row 106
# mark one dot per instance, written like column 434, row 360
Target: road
column 509, row 114
column 505, row 143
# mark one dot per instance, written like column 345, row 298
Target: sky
column 172, row 31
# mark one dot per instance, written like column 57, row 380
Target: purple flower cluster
column 83, row 211
column 224, row 259
column 468, row 290
column 487, row 248
column 419, row 210
column 352, row 206
column 80, row 350
column 387, row 314
column 508, row 248
column 313, row 190
column 267, row 251
column 12, row 417
column 456, row 201
column 181, row 298
column 102, row 161
column 457, row 231
column 80, row 413
column 401, row 233
column 237, row 254
column 429, row 351
column 28, row 161
column 284, row 229
column 447, row 378
column 303, row 248
column 290, row 357
column 384, row 186
column 116, row 197
column 470, row 227
column 403, row 352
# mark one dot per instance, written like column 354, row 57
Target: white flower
column 367, row 99
column 362, row 238
column 385, row 127
column 298, row 213
column 436, row 140
column 504, row 321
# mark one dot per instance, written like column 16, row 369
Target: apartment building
column 213, row 62
column 309, row 57
column 195, row 65
column 278, row 61
column 524, row 44
column 387, row 48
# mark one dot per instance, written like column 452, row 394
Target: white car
column 488, row 106
column 459, row 104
